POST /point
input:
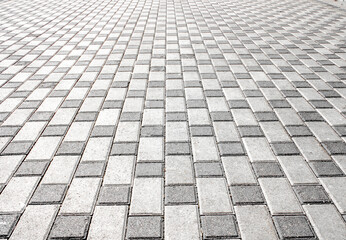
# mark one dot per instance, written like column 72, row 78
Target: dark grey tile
column 180, row 195
column 247, row 195
column 221, row 116
column 231, row 148
column 223, row 226
column 32, row 168
column 70, row 227
column 267, row 169
column 152, row 131
column 55, row 130
column 49, row 194
column 71, row 148
column 8, row 222
column 124, row 148
column 130, row 116
column 149, row 170
column 177, row 148
column 90, row 169
column 311, row 194
column 335, row 148
column 18, row 148
column 326, row 169
column 250, row 131
column 201, row 131
column 140, row 227
column 293, row 227
column 208, row 169
column 114, row 194
column 298, row 131
column 285, row 148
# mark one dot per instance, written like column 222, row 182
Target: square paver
column 177, row 148
column 71, row 148
column 18, row 148
column 114, row 194
column 144, row 227
column 293, row 227
column 208, row 169
column 285, row 148
column 326, row 169
column 90, row 169
column 247, row 194
column 267, row 169
column 250, row 131
column 149, row 170
column 7, row 223
column 223, row 226
column 32, row 168
column 124, row 148
column 180, row 195
column 70, row 227
column 152, row 131
column 335, row 148
column 311, row 194
column 231, row 149
column 49, row 194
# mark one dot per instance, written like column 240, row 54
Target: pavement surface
column 187, row 119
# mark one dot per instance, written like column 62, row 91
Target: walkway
column 172, row 119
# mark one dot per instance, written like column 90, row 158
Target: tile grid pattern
column 172, row 119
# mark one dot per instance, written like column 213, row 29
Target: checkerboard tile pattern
column 161, row 119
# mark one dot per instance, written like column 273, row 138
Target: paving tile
column 213, row 196
column 285, row 148
column 180, row 195
column 293, row 227
column 219, row 226
column 39, row 215
column 311, row 194
column 335, row 187
column 70, row 227
column 144, row 227
column 119, row 149
column 32, row 168
column 90, row 169
column 119, row 170
column 181, row 222
column 335, row 148
column 8, row 165
column 204, row 149
column 178, row 170
column 8, row 223
column 280, row 196
column 208, row 169
column 49, row 194
column 60, row 170
column 255, row 222
column 114, row 194
column 238, row 170
column 326, row 169
column 231, row 148
column 102, row 223
column 147, row 196
column 267, row 169
column 71, row 148
column 246, row 194
column 326, row 221
column 17, row 148
column 149, row 170
column 258, row 149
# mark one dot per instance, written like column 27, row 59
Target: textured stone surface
column 157, row 119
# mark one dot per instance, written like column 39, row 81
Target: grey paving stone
column 174, row 93
column 8, row 222
column 113, row 104
column 17, row 148
column 335, row 148
column 32, row 168
column 41, row 116
column 201, row 131
column 321, row 104
column 130, row 116
column 298, row 131
column 149, row 170
column 231, row 149
column 176, row 116
column 154, row 104
column 178, row 148
column 114, row 194
column 9, row 131
column 86, row 116
column 308, row 194
column 196, row 104
column 71, row 148
column 223, row 226
column 55, row 130
column 103, row 131
column 121, row 148
column 152, row 131
column 285, row 148
column 279, row 104
column 90, row 169
column 208, row 169
column 341, row 130
column 49, row 194
column 72, row 104
column 70, row 227
column 326, row 169
column 250, row 131
column 180, row 195
column 144, row 227
column 267, row 169
column 293, row 227
column 310, row 116
column 266, row 116
column 247, row 194
column 236, row 104
column 221, row 116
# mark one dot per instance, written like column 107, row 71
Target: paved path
column 184, row 119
